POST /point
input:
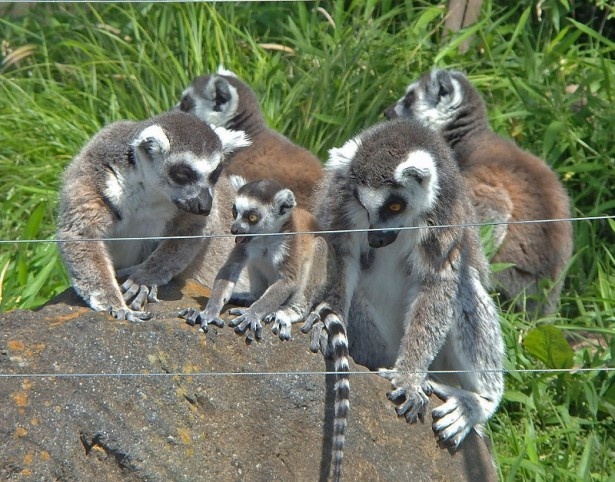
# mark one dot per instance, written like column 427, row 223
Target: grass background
column 323, row 71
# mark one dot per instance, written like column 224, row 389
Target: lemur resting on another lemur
column 224, row 100
column 505, row 184
column 412, row 300
column 139, row 179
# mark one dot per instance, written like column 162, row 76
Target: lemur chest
column 266, row 259
column 140, row 216
column 389, row 285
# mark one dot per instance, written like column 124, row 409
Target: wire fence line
column 119, row 374
column 297, row 233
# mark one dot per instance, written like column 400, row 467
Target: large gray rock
column 86, row 397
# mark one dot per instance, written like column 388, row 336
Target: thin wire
column 571, row 371
column 294, row 233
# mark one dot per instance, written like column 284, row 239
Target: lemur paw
column 320, row 336
column 413, row 401
column 281, row 324
column 451, row 423
column 194, row 316
column 246, row 321
column 130, row 315
column 139, row 294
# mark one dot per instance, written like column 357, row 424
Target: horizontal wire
column 571, row 371
column 334, row 231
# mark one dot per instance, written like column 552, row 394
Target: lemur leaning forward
column 224, row 100
column 287, row 272
column 411, row 299
column 505, row 184
column 139, row 179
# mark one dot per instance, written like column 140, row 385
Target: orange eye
column 395, row 207
column 252, row 218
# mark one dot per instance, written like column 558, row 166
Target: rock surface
column 86, row 397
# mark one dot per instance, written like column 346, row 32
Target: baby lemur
column 411, row 299
column 286, row 272
column 224, row 100
column 505, row 184
column 132, row 180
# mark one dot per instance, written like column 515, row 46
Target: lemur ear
column 285, row 201
column 418, row 166
column 443, row 83
column 237, row 181
column 223, row 71
column 152, row 141
column 221, row 92
column 340, row 157
column 231, row 140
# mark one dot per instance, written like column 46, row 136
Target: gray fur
column 224, row 100
column 411, row 300
column 138, row 179
column 505, row 184
column 286, row 272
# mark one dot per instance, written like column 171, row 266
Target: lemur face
column 181, row 157
column 212, row 98
column 393, row 172
column 261, row 207
column 434, row 99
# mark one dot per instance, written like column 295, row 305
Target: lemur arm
column 170, row 258
column 429, row 320
column 221, row 293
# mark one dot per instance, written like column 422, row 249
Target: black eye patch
column 183, row 174
column 394, row 206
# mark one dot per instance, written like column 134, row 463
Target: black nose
column 380, row 239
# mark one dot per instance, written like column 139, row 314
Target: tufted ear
column 418, row 166
column 442, row 83
column 237, row 181
column 223, row 71
column 152, row 141
column 284, row 201
column 231, row 140
column 221, row 92
column 340, row 158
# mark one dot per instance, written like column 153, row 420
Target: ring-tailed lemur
column 224, row 100
column 286, row 272
column 414, row 300
column 505, row 183
column 132, row 180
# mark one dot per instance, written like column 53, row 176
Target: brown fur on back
column 274, row 156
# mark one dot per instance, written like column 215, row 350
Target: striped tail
column 339, row 348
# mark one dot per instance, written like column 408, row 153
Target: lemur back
column 138, row 179
column 505, row 184
column 411, row 299
column 224, row 100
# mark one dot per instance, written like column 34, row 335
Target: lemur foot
column 129, row 315
column 411, row 398
column 139, row 294
column 320, row 334
column 281, row 324
column 451, row 423
column 194, row 316
column 246, row 321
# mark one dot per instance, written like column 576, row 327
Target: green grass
column 549, row 84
